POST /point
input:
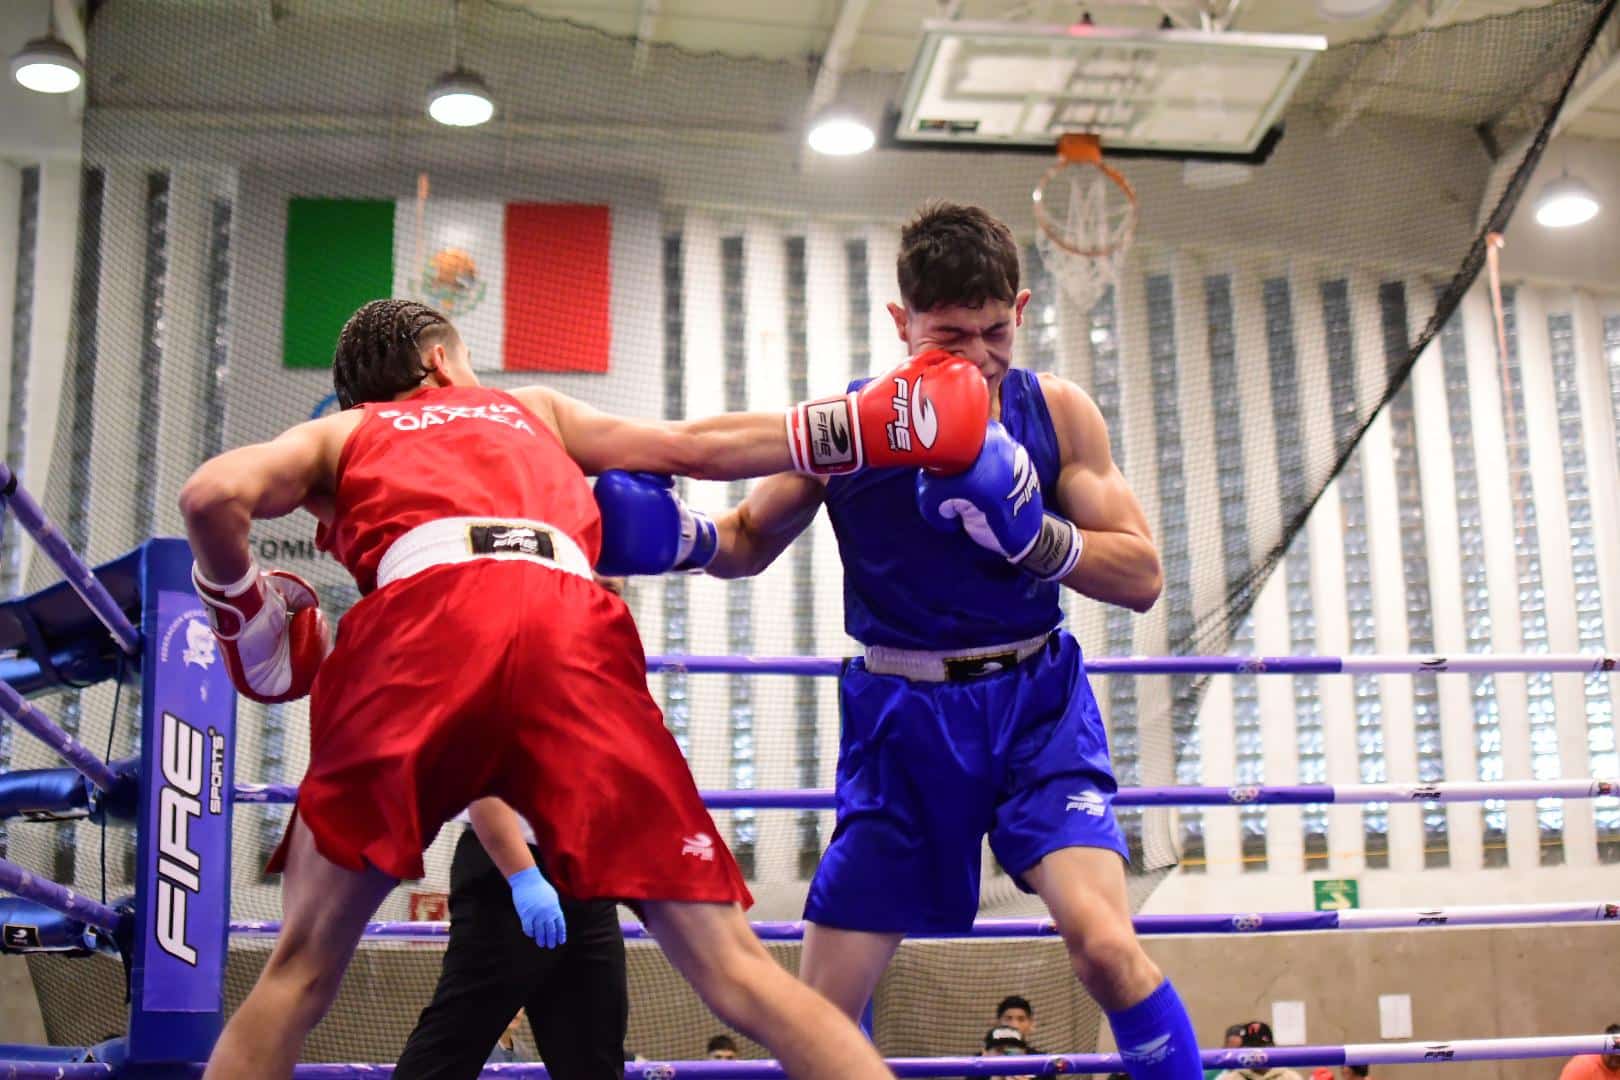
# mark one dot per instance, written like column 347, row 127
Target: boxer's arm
column 501, row 832
column 1119, row 563
column 761, row 527
column 731, row 446
column 265, row 480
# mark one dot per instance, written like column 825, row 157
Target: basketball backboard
column 1175, row 93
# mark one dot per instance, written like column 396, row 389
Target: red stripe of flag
column 559, row 286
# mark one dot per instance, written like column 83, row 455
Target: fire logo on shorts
column 450, row 279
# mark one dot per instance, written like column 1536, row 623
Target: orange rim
column 1080, row 150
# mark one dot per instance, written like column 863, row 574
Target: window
column 1285, row 407
column 739, row 593
column 152, row 334
column 1599, row 708
column 1600, row 743
column 1041, row 314
column 1310, row 740
column 1476, row 599
column 1124, row 737
column 81, row 394
column 1248, row 742
column 677, row 690
column 860, row 306
column 1174, row 554
column 219, row 329
column 1357, row 566
column 22, row 333
column 272, row 770
column 1544, row 760
column 805, row 699
column 22, row 329
column 1431, row 765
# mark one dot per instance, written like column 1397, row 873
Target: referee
column 574, row 993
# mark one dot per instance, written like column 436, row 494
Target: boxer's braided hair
column 378, row 353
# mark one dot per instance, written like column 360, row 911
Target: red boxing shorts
column 512, row 679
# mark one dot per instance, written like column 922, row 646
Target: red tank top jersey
column 453, row 451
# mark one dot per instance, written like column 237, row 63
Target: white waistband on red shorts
column 948, row 665
column 463, row 539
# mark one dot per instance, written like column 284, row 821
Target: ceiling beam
column 1600, row 73
column 833, row 60
column 70, row 25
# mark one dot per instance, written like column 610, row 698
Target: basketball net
column 1085, row 213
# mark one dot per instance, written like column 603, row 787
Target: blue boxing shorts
column 926, row 769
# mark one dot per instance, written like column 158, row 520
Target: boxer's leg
column 714, row 948
column 325, row 909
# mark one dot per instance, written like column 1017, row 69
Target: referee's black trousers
column 575, row 996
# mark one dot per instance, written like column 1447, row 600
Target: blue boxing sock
column 1156, row 1038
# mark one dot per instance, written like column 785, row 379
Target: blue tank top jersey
column 911, row 586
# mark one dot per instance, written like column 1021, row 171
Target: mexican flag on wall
column 529, row 285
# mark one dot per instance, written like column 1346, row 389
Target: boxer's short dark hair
column 956, row 256
column 379, row 351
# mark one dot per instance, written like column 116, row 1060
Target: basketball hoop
column 1086, row 222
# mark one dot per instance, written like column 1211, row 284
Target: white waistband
column 950, row 665
column 463, row 539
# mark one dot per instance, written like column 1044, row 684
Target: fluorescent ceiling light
column 1566, row 201
column 840, row 135
column 460, row 99
column 47, row 66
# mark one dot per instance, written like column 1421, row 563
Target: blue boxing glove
column 997, row 502
column 538, row 908
column 647, row 530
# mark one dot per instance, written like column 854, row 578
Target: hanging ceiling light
column 47, row 65
column 1566, row 201
column 460, row 99
column 840, row 134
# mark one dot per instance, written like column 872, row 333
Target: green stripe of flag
column 340, row 254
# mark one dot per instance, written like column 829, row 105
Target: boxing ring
column 137, row 618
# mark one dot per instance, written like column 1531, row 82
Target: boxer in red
column 482, row 659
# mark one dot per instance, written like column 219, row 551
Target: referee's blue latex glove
column 538, row 907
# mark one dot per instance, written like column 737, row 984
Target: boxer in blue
column 970, row 712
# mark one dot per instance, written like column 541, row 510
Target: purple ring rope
column 1253, row 922
column 1372, row 664
column 1287, row 794
column 15, row 879
column 77, row 572
column 1411, row 1053
column 29, row 717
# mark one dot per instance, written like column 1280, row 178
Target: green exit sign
column 1336, row 894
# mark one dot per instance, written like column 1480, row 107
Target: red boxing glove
column 930, row 412
column 271, row 629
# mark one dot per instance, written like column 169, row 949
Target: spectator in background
column 1257, row 1033
column 721, row 1048
column 1006, row 1041
column 1017, row 1012
column 1596, row 1066
column 1234, row 1039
